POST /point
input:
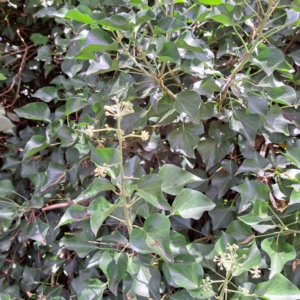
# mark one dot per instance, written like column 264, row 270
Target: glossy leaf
column 46, row 94
column 189, row 102
column 279, row 252
column 153, row 237
column 99, row 210
column 74, row 213
column 246, row 124
column 184, row 272
column 191, row 204
column 184, row 140
column 174, row 179
column 36, row 144
column 150, row 188
column 97, row 186
column 147, row 282
column 114, row 266
column 278, row 288
column 269, row 59
column 34, row 111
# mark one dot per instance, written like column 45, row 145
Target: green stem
column 122, row 186
column 244, row 60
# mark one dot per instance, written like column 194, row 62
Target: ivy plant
column 150, row 149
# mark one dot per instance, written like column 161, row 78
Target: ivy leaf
column 174, row 179
column 149, row 187
column 269, row 59
column 189, row 102
column 74, row 213
column 36, row 144
column 154, row 237
column 114, row 266
column 46, row 94
column 102, row 65
column 184, row 140
column 253, row 189
column 254, row 165
column 277, row 288
column 184, row 272
column 169, row 52
column 81, row 14
column 293, row 156
column 246, row 124
column 170, row 24
column 2, row 77
column 6, row 188
column 116, row 22
column 37, row 230
column 253, row 259
column 258, row 214
column 99, row 210
column 283, row 94
column 221, row 15
column 97, row 186
column 5, row 123
column 80, row 242
column 280, row 252
column 147, row 282
column 212, row 151
column 191, row 204
column 55, row 174
column 67, row 135
column 34, row 111
column 222, row 216
column 98, row 40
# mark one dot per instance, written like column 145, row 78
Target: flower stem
column 122, row 186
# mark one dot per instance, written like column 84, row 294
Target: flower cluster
column 100, row 172
column 255, row 272
column 90, row 131
column 230, row 260
column 145, row 135
column 119, row 109
column 206, row 284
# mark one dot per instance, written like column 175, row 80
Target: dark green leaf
column 147, row 283
column 99, row 210
column 97, row 186
column 212, row 151
column 280, row 252
column 278, row 288
column 184, row 140
column 154, row 237
column 36, row 144
column 191, row 204
column 150, row 188
column 46, row 94
column 34, row 111
column 55, row 174
column 246, row 124
column 174, row 179
column 184, row 272
column 269, row 59
column 114, row 266
column 189, row 102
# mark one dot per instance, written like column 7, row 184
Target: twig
column 291, row 41
column 18, row 75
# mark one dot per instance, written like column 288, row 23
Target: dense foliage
column 149, row 150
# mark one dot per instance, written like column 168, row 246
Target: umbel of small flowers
column 119, row 109
column 230, row 261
